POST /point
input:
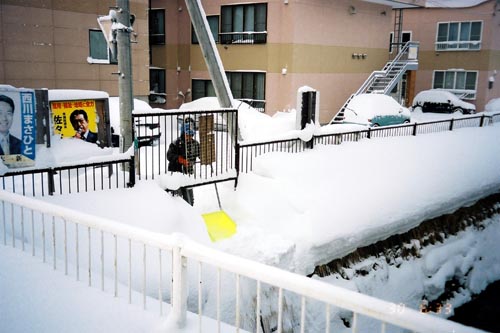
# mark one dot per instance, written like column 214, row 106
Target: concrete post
column 209, row 50
column 212, row 58
column 125, row 74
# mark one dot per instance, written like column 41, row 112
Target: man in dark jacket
column 80, row 121
column 182, row 154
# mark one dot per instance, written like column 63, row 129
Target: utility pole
column 212, row 59
column 209, row 50
column 125, row 73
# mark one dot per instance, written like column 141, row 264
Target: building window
column 213, row 23
column 157, row 87
column 459, row 36
column 461, row 83
column 157, row 26
column 244, row 24
column 99, row 50
column 406, row 37
column 202, row 88
column 249, row 87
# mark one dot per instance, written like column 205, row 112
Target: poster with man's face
column 17, row 127
column 75, row 119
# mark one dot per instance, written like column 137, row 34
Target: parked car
column 441, row 101
column 376, row 110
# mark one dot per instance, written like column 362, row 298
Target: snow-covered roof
column 75, row 94
column 453, row 3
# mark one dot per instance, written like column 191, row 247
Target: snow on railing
column 102, row 173
column 109, row 251
column 214, row 130
column 294, row 145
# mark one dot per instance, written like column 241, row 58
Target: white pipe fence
column 151, row 268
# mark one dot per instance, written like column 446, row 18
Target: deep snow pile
column 296, row 211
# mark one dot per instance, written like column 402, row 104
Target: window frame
column 458, row 44
column 229, row 34
column 157, row 32
column 256, row 101
column 110, row 60
column 467, row 94
column 160, row 96
column 215, row 34
column 391, row 40
column 206, row 88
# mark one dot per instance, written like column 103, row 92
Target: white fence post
column 180, row 287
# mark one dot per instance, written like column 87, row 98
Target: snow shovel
column 219, row 224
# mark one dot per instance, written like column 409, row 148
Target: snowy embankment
column 300, row 210
column 324, row 203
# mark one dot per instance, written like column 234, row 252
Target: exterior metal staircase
column 383, row 81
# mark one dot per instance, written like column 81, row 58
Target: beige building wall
column 423, row 22
column 309, row 43
column 45, row 44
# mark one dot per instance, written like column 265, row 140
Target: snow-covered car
column 441, row 101
column 375, row 110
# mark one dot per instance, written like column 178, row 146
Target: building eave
column 399, row 4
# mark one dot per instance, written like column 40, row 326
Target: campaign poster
column 75, row 119
column 17, row 127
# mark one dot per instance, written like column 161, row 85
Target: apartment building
column 459, row 47
column 271, row 48
column 58, row 44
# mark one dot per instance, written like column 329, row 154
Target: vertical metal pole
column 237, row 320
column 22, row 226
column 77, row 253
column 115, row 265
column 54, row 241
column 32, row 233
column 129, row 271
column 179, row 286
column 211, row 55
column 102, row 260
column 12, row 224
column 65, row 248
column 4, row 224
column 160, row 296
column 144, row 277
column 125, row 77
column 90, row 257
column 43, row 237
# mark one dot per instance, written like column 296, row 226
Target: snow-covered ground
column 296, row 211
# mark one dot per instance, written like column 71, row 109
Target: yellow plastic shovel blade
column 219, row 225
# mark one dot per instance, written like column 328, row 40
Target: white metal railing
column 458, row 46
column 124, row 260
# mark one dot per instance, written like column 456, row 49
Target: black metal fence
column 250, row 151
column 70, row 179
column 212, row 157
column 220, row 156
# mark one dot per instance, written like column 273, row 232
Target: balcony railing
column 172, row 274
column 458, row 46
column 250, row 37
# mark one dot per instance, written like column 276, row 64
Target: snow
column 367, row 106
column 453, row 3
column 441, row 96
column 75, row 94
column 293, row 211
